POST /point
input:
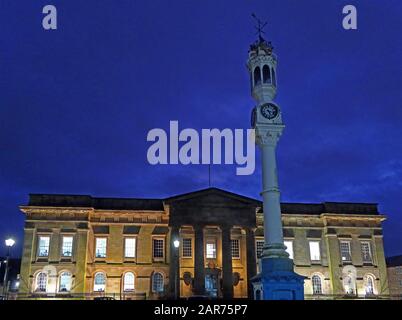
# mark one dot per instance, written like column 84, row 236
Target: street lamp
column 9, row 243
column 176, row 244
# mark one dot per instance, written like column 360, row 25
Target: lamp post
column 9, row 243
column 176, row 244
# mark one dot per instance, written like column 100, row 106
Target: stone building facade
column 84, row 247
column 394, row 269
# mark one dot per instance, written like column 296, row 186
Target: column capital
column 268, row 135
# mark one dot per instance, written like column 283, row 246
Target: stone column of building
column 251, row 260
column 199, row 271
column 27, row 257
column 80, row 257
column 174, row 270
column 227, row 269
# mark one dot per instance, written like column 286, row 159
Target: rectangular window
column 235, row 248
column 259, row 245
column 366, row 251
column 158, row 248
column 100, row 247
column 67, row 246
column 211, row 249
column 129, row 247
column 345, row 251
column 314, row 250
column 43, row 246
column 289, row 248
column 187, row 248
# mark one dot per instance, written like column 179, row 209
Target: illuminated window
column 211, row 249
column 129, row 247
column 317, row 284
column 157, row 282
column 65, row 282
column 128, row 281
column 235, row 248
column 315, row 250
column 266, row 74
column 349, row 285
column 259, row 245
column 43, row 247
column 345, row 251
column 67, row 247
column 100, row 282
column 100, row 247
column 366, row 251
column 41, row 282
column 369, row 285
column 158, row 248
column 289, row 248
column 187, row 250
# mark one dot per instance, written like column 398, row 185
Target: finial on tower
column 261, row 42
column 259, row 27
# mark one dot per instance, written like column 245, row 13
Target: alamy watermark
column 187, row 146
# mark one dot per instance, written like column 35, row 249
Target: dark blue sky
column 76, row 104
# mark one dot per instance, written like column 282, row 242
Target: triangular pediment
column 212, row 206
column 212, row 196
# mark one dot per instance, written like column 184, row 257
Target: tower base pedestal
column 278, row 281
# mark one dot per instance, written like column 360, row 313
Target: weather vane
column 260, row 26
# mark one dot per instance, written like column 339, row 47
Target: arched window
column 266, row 74
column 100, row 282
column 369, row 285
column 348, row 284
column 128, row 281
column 258, row 294
column 317, row 284
column 273, row 77
column 41, row 282
column 65, row 282
column 157, row 282
column 257, row 76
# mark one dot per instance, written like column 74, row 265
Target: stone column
column 174, row 270
column 199, row 265
column 251, row 260
column 227, row 270
column 80, row 257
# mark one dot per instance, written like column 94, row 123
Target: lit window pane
column 129, row 248
column 43, row 250
column 41, row 282
column 345, row 251
column 100, row 282
column 317, row 285
column 289, row 248
column 157, row 282
column 158, row 248
column 211, row 250
column 67, row 247
column 314, row 250
column 129, row 280
column 100, row 250
column 366, row 252
column 187, row 248
column 259, row 244
column 65, row 282
column 235, row 248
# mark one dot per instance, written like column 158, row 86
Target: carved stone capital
column 266, row 137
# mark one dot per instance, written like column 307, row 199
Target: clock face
column 269, row 111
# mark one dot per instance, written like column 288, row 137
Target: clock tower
column 277, row 280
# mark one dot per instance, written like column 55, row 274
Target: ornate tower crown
column 262, row 68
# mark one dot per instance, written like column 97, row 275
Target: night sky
column 76, row 104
